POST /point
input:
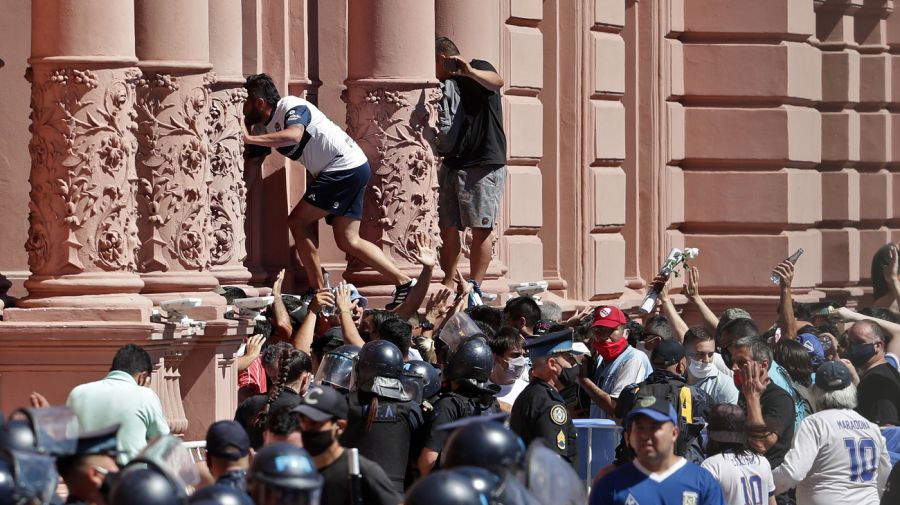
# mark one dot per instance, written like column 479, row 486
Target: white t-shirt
column 325, row 147
column 745, row 479
column 837, row 457
column 509, row 392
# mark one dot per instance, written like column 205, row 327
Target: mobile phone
column 451, row 65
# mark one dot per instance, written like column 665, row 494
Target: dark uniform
column 451, row 407
column 102, row 441
column 539, row 411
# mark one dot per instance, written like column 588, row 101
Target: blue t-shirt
column 683, row 484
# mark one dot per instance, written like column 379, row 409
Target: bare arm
column 692, row 289
column 427, row 258
column 303, row 337
column 668, row 308
column 786, row 320
column 427, row 459
column 288, row 137
column 889, row 272
column 889, row 327
column 283, row 326
column 488, row 79
column 754, row 385
column 254, row 347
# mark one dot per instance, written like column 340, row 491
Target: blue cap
column 550, row 343
column 832, row 376
column 813, row 348
column 658, row 409
column 227, row 440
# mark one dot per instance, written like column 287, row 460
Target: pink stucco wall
column 746, row 129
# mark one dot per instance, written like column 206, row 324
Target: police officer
column 87, row 473
column 467, row 393
column 540, row 410
column 446, row 487
column 382, row 422
column 219, row 494
column 336, row 367
column 145, row 485
column 283, row 474
column 228, row 453
column 430, row 378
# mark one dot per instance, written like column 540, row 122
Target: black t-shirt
column 482, row 140
column 778, row 413
column 878, row 395
column 251, row 406
column 377, row 488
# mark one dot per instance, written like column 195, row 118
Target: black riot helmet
column 7, row 482
column 17, row 435
column 445, row 487
column 378, row 358
column 143, row 485
column 220, row 494
column 487, row 444
column 431, row 376
column 336, row 367
column 472, row 361
column 286, row 471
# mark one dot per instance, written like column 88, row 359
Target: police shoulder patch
column 561, row 440
column 559, row 415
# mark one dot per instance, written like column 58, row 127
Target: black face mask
column 317, row 442
column 860, row 354
column 569, row 376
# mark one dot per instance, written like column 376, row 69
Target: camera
column 251, row 308
column 451, row 65
column 175, row 311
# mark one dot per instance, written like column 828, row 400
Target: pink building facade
column 744, row 128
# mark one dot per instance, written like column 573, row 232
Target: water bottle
column 776, row 279
column 327, row 310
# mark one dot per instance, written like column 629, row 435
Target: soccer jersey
column 325, row 147
column 683, row 484
column 837, row 457
column 745, row 479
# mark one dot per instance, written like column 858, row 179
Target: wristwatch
column 426, row 326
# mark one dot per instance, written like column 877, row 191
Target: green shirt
column 117, row 399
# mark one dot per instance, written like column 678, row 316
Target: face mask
column 610, row 350
column 317, row 442
column 514, row 369
column 738, row 380
column 860, row 354
column 108, row 482
column 569, row 376
column 700, row 369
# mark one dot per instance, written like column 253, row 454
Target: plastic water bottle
column 327, row 310
column 776, row 279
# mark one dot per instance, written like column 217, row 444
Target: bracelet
column 343, row 312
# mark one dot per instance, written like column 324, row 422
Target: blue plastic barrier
column 892, row 437
column 597, row 441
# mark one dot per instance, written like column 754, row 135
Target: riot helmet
column 337, row 366
column 488, row 444
column 472, row 362
column 379, row 370
column 445, row 487
column 26, row 477
column 145, row 485
column 17, row 435
column 219, row 494
column 431, row 376
column 284, row 474
column 7, row 482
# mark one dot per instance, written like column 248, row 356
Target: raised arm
column 786, row 320
column 692, row 290
column 668, row 308
column 283, row 326
column 303, row 337
column 426, row 257
column 487, row 78
column 345, row 313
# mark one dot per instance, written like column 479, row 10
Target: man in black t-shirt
column 878, row 392
column 323, row 417
column 473, row 144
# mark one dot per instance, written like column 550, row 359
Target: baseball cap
column 227, row 440
column 322, row 403
column 832, row 376
column 813, row 347
column 667, row 353
column 730, row 316
column 658, row 409
column 609, row 316
column 354, row 295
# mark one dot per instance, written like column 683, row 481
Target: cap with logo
column 609, row 316
column 832, row 376
column 322, row 403
column 813, row 348
column 227, row 440
column 730, row 316
column 658, row 409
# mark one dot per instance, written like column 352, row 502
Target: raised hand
column 342, row 298
column 438, row 305
column 254, row 345
column 785, row 270
column 425, row 253
column 692, row 284
column 323, row 298
column 276, row 287
column 890, row 270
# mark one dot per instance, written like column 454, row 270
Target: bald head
column 867, row 332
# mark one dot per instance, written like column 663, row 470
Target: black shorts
column 340, row 193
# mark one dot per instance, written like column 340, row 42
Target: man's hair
column 741, row 328
column 659, row 325
column 505, row 340
column 697, row 334
column 523, row 306
column 398, row 332
column 132, row 359
column 271, row 354
column 445, row 46
column 379, row 316
column 635, row 331
column 551, row 311
column 262, row 86
column 485, row 328
column 874, row 328
column 283, row 421
column 492, row 316
column 729, row 418
column 840, row 399
column 794, row 357
column 759, row 349
column 881, row 313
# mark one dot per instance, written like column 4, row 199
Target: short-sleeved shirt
column 634, row 368
column 377, row 488
column 778, row 413
column 837, row 457
column 879, row 395
column 253, row 378
column 746, row 479
column 117, row 399
column 324, row 147
column 540, row 413
column 719, row 387
column 683, row 483
column 481, row 140
column 509, row 392
column 248, row 409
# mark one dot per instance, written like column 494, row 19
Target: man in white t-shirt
column 837, row 456
column 340, row 171
column 509, row 365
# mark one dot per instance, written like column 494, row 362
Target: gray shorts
column 470, row 197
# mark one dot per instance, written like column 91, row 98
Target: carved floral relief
column 228, row 194
column 396, row 129
column 82, row 212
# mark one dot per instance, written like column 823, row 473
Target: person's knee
column 481, row 234
column 347, row 241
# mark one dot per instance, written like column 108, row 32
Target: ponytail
column 292, row 363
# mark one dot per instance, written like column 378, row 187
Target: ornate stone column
column 83, row 235
column 392, row 97
column 174, row 158
column 228, row 192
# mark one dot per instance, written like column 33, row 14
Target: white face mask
column 700, row 369
column 515, row 368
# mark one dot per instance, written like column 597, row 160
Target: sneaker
column 400, row 294
column 475, row 295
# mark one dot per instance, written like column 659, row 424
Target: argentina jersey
column 683, row 484
column 746, row 479
column 324, row 147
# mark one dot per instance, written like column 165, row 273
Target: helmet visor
column 458, row 328
column 55, row 429
column 335, row 370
